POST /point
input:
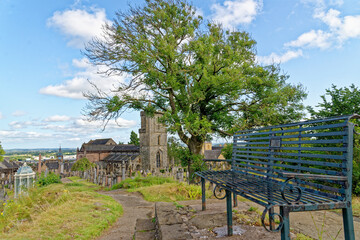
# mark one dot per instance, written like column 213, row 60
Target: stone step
column 144, row 229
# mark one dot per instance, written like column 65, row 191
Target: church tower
column 153, row 143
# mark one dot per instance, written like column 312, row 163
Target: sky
column 43, row 72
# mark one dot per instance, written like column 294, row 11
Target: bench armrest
column 314, row 176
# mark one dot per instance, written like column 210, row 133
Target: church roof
column 110, row 148
column 126, row 147
column 212, row 154
column 100, row 141
column 97, row 148
column 119, row 157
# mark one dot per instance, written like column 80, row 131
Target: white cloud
column 337, row 2
column 338, row 30
column 111, row 125
column 275, row 58
column 312, row 39
column 350, row 28
column 24, row 124
column 80, row 26
column 18, row 113
column 71, row 133
column 331, row 18
column 57, row 118
column 82, row 126
column 233, row 13
column 75, row 87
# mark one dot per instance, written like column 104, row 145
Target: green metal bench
column 304, row 166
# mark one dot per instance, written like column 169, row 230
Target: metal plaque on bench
column 275, row 142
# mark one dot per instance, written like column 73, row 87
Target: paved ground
column 300, row 222
column 134, row 207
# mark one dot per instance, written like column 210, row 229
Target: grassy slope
column 159, row 189
column 59, row 211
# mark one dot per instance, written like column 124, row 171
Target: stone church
column 150, row 156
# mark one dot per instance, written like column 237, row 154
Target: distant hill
column 25, row 150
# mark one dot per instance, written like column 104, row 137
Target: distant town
column 31, row 155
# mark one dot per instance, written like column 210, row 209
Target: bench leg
column 348, row 223
column 203, row 204
column 235, row 200
column 229, row 212
column 271, row 221
column 285, row 230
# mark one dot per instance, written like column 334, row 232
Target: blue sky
column 43, row 73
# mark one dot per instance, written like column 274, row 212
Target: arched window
column 158, row 159
column 159, row 137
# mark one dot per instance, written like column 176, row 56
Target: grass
column 170, row 192
column 301, row 236
column 160, row 189
column 59, row 211
column 356, row 206
column 139, row 182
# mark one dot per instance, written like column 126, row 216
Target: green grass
column 139, row 182
column 356, row 206
column 301, row 236
column 170, row 192
column 59, row 211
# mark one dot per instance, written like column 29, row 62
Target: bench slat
column 321, row 127
column 309, row 162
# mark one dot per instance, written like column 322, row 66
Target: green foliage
column 2, row 152
column 138, row 182
column 134, row 139
column 203, row 78
column 226, row 151
column 184, row 157
column 51, row 178
column 343, row 101
column 82, row 164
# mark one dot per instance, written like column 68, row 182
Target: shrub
column 49, row 179
column 82, row 164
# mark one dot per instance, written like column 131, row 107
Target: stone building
column 153, row 144
column 151, row 156
column 96, row 150
column 212, row 152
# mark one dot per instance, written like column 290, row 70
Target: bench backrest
column 318, row 147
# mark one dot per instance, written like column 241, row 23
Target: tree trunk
column 195, row 147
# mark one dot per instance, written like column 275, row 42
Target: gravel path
column 134, row 207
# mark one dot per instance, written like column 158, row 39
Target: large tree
column 338, row 101
column 204, row 79
column 343, row 101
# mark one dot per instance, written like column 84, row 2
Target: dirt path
column 134, row 207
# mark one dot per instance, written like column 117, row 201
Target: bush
column 49, row 179
column 82, row 164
